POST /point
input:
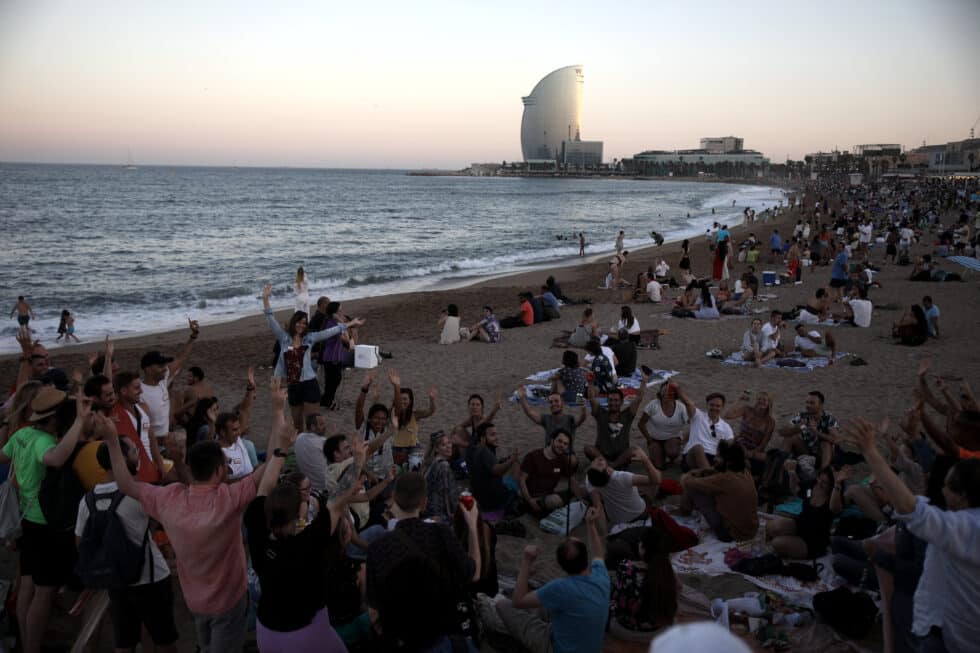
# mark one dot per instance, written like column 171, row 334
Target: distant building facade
column 878, row 149
column 582, row 154
column 551, row 127
column 722, row 144
column 701, row 156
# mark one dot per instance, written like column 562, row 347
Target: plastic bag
column 9, row 510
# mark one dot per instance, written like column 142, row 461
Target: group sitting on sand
column 370, row 526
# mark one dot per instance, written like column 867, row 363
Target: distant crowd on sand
column 358, row 529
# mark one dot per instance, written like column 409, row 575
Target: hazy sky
column 439, row 84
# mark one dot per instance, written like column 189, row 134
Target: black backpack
column 60, row 493
column 107, row 558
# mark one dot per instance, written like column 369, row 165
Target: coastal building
column 551, row 128
column 878, row 149
column 582, row 154
column 722, row 144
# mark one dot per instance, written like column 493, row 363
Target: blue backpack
column 107, row 558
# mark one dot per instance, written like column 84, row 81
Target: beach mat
column 808, row 364
column 538, row 387
column 649, row 339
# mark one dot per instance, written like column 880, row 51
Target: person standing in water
column 619, row 242
column 302, row 290
column 24, row 313
column 581, row 243
column 66, row 327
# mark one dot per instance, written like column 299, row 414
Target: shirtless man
column 24, row 313
column 197, row 388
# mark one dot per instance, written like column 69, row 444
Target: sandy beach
column 406, row 326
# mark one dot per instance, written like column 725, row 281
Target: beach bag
column 60, row 493
column 850, row 613
column 9, row 508
column 766, row 565
column 107, row 558
column 572, row 515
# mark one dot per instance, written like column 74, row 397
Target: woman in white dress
column 302, row 290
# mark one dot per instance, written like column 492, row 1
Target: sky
column 439, row 84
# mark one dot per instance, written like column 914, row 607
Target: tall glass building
column 552, row 114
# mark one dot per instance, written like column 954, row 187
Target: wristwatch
column 279, row 453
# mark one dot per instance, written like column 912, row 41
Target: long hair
column 294, row 320
column 626, row 314
column 199, row 418
column 659, row 589
column 405, row 416
column 920, row 319
column 300, row 274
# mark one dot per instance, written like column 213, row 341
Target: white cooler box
column 366, row 356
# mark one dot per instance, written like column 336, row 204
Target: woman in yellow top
column 406, row 441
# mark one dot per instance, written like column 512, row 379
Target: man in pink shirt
column 204, row 523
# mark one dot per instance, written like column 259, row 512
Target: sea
column 138, row 250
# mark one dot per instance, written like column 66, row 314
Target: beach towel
column 708, row 559
column 797, row 363
column 538, row 387
column 969, row 263
column 649, row 339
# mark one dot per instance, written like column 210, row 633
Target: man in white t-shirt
column 617, row 491
column 707, row 430
column 149, row 602
column 812, row 343
column 860, row 307
column 864, row 234
column 158, row 370
column 654, row 291
column 905, row 236
column 236, row 453
column 769, row 342
column 309, row 452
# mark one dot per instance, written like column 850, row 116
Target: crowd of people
column 382, row 534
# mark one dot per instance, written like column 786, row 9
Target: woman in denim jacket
column 293, row 364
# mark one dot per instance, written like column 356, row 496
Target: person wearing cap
column 811, row 344
column 157, row 372
column 47, row 555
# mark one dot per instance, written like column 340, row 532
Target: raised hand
column 250, row 377
column 433, row 393
column 287, row 435
column 862, row 433
column 590, row 516
column 103, row 427
column 394, row 378
column 369, row 377
column 24, row 340
column 357, row 447
column 267, row 291
column 83, row 406
column 194, row 327
column 277, row 392
column 531, row 552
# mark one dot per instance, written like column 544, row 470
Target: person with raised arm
column 158, row 373
column 47, row 555
column 203, row 521
column 613, row 425
column 577, row 605
column 755, row 428
column 294, row 364
column 286, row 552
column 949, row 589
column 666, row 417
column 617, row 492
column 707, row 430
column 556, row 419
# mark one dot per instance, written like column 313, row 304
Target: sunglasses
column 714, row 433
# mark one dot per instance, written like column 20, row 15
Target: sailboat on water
column 129, row 161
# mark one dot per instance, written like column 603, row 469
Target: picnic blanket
column 648, row 339
column 538, row 387
column 808, row 364
column 708, row 558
